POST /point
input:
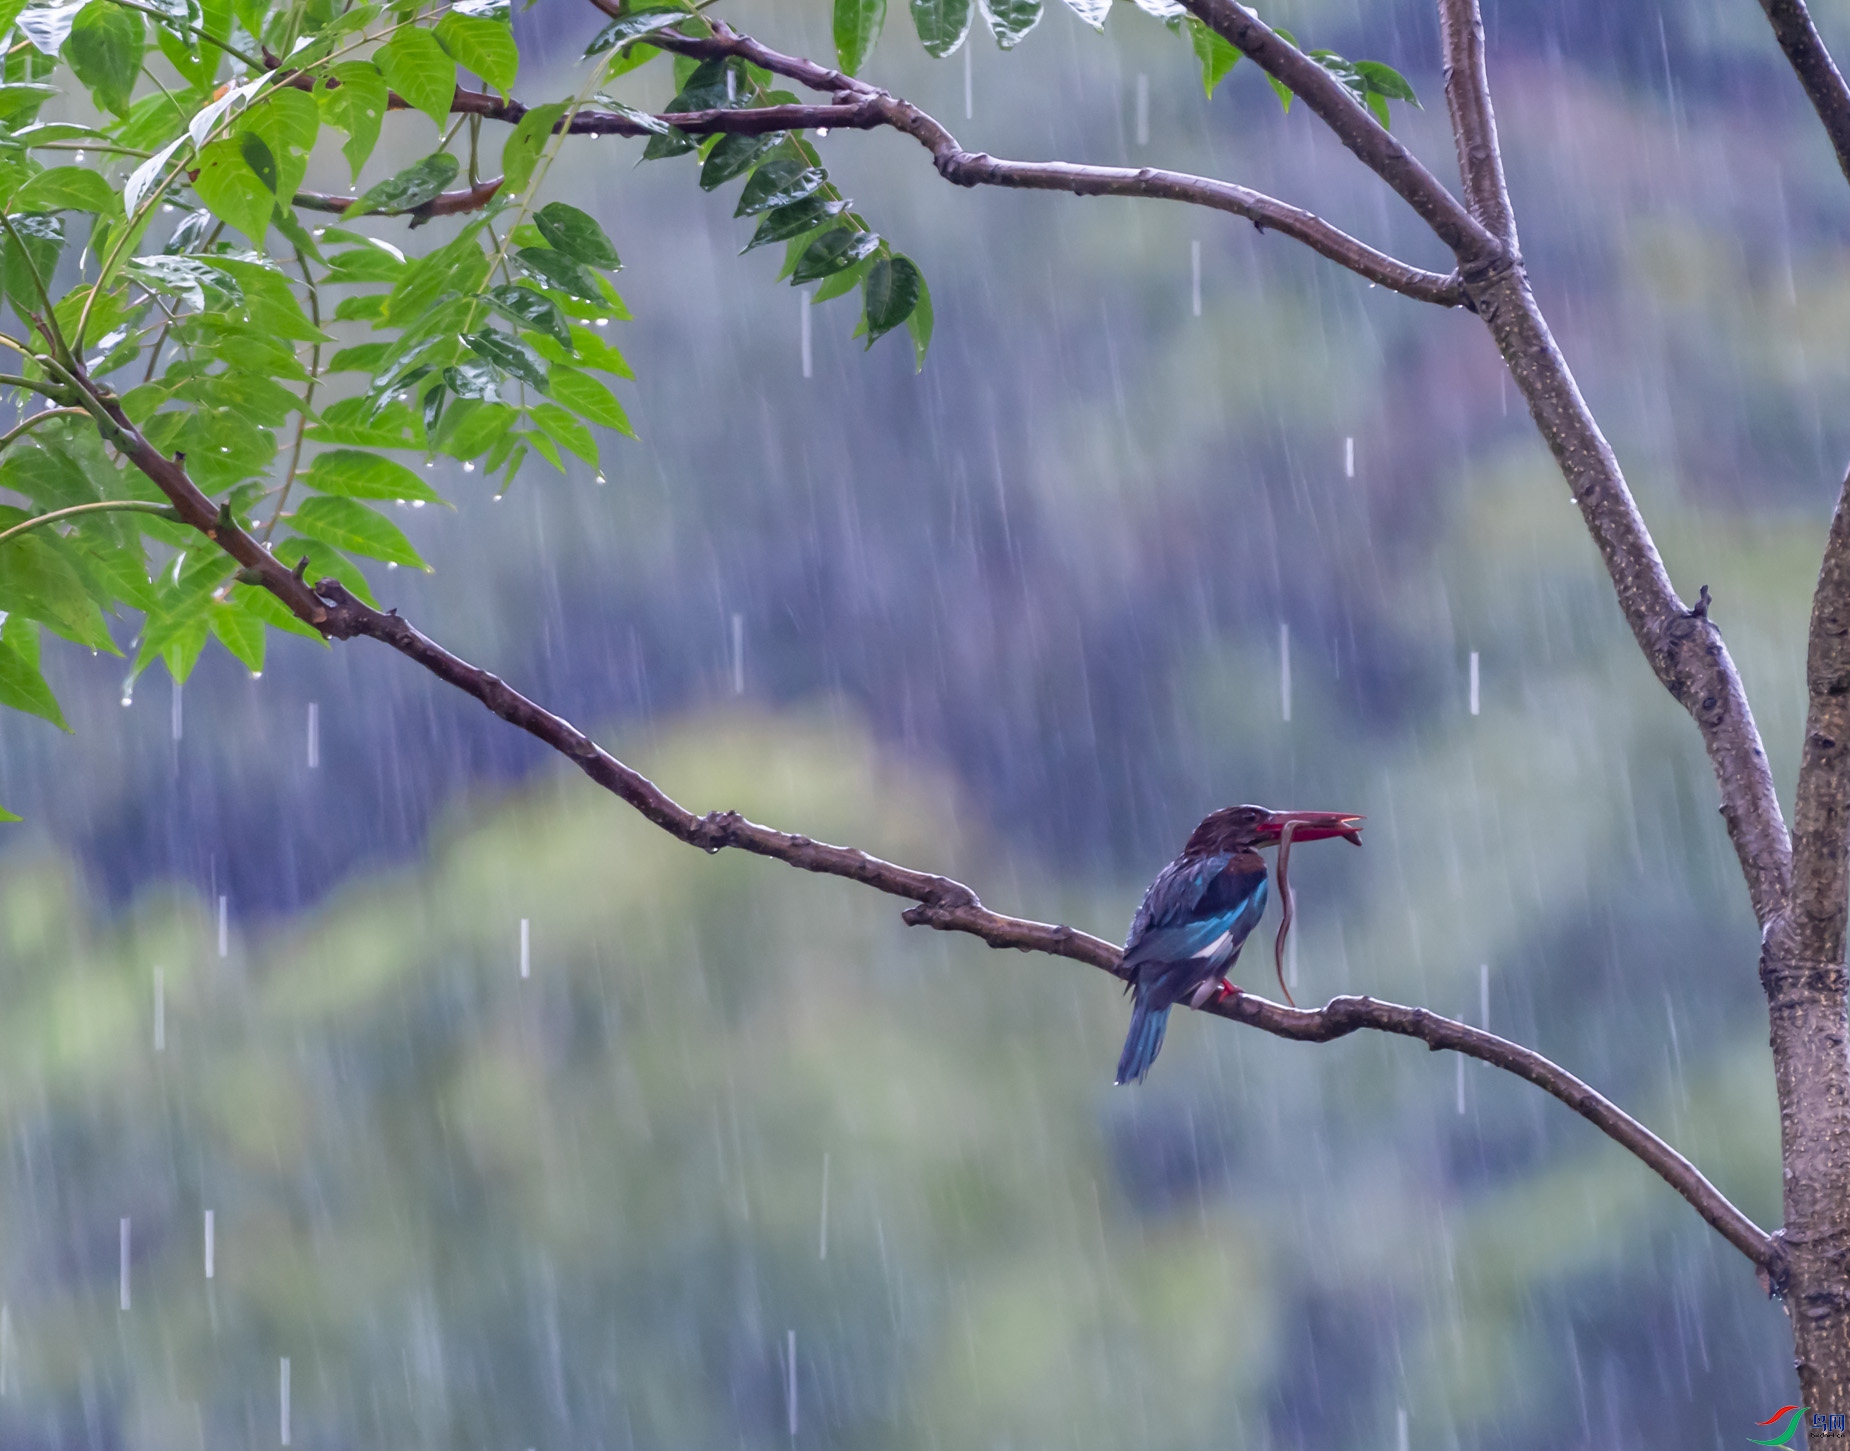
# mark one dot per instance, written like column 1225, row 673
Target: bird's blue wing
column 1196, row 910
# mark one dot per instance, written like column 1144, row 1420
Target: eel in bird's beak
column 1285, row 827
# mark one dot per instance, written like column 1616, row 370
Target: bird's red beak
column 1312, row 826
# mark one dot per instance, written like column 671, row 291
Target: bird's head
column 1239, row 828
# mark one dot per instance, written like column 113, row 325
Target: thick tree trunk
column 1806, row 1000
column 1802, row 969
column 1798, row 890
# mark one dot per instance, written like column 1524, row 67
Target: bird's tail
column 1144, row 1042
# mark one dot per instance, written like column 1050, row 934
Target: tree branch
column 941, row 902
column 950, row 906
column 1474, row 121
column 1373, row 144
column 1821, row 807
column 446, row 204
column 1811, row 62
column 863, row 107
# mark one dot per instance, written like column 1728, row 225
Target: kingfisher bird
column 1199, row 911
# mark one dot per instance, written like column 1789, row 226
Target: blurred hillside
column 1018, row 618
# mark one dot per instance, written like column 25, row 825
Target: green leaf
column 628, row 27
column 942, row 24
column 104, row 51
column 832, row 251
column 349, row 525
column 259, row 158
column 578, row 236
column 919, row 323
column 734, row 156
column 530, row 309
column 794, row 220
column 589, row 399
column 510, row 355
column 521, row 152
column 21, row 685
column 547, row 449
column 1279, row 88
column 556, row 270
column 857, row 27
column 287, row 122
column 65, row 189
column 39, row 582
column 6, row 815
column 347, row 422
column 483, row 46
column 470, row 429
column 43, row 241
column 649, row 122
column 1386, row 81
column 415, row 66
column 234, row 192
column 353, row 99
column 672, row 142
column 843, row 282
column 1092, row 12
column 778, row 183
column 712, row 85
column 566, row 430
column 1011, row 20
column 353, row 474
column 412, row 187
column 1377, row 107
column 240, row 632
column 1217, row 57
column 891, row 292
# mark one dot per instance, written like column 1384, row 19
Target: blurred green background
column 1018, row 619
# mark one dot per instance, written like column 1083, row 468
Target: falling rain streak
column 1194, row 286
column 314, row 735
column 822, row 1248
column 1473, row 681
column 211, row 1244
column 224, row 926
column 179, row 720
column 1284, row 671
column 803, row 327
column 1348, row 458
column 160, row 1011
column 790, row 1379
column 1143, row 114
column 738, row 653
column 526, row 948
column 283, row 1400
column 969, row 88
column 7, row 1351
column 122, row 1257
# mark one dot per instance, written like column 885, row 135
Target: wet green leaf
column 349, row 525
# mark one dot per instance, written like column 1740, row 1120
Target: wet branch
column 446, row 204
column 1474, row 121
column 940, row 902
column 1811, row 62
column 950, row 906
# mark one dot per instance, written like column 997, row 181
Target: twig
column 139, row 506
column 1811, row 62
column 1474, row 120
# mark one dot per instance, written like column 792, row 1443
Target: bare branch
column 941, row 902
column 1377, row 148
column 1817, row 72
column 950, row 906
column 1474, row 121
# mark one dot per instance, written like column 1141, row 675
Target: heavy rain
column 370, row 1077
